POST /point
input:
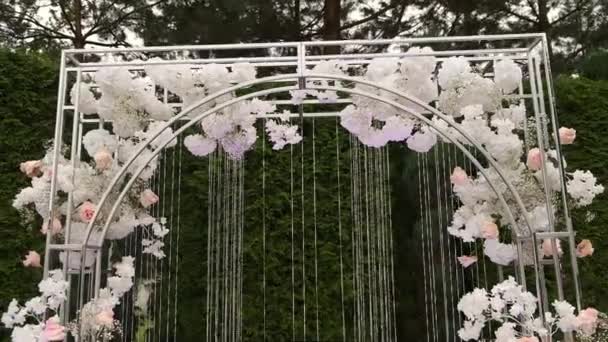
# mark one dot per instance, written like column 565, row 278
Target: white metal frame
column 296, row 57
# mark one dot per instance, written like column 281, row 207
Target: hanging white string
column 210, row 224
column 303, row 232
column 441, row 241
column 176, row 287
column 264, row 232
column 314, row 204
column 293, row 283
column 423, row 240
column 338, row 171
column 451, row 262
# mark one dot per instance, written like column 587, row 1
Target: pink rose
column 528, row 339
column 489, row 230
column 86, row 211
column 53, row 331
column 547, row 247
column 31, row 168
column 105, row 317
column 55, row 226
column 584, row 248
column 32, row 259
column 466, row 260
column 459, row 176
column 534, row 159
column 567, row 135
column 147, row 198
column 587, row 321
column 103, row 159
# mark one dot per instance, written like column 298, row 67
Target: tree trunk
column 79, row 40
column 331, row 24
column 543, row 23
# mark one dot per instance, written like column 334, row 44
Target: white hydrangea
column 539, row 218
column 470, row 330
column 499, row 253
column 125, row 268
column 53, row 289
column 14, row 315
column 27, row 333
column 380, row 68
column 242, row 72
column 36, row 305
column 583, row 187
column 506, row 333
column 128, row 101
column 422, row 141
column 87, row 103
column 96, row 139
column 154, row 247
column 474, row 304
column 507, row 75
column 397, row 128
column 453, row 71
column 199, row 145
column 282, row 134
column 152, row 129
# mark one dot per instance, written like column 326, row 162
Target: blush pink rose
column 584, row 248
column 459, row 176
column 105, row 317
column 55, row 226
column 528, row 339
column 467, row 260
column 547, row 247
column 86, row 211
column 147, row 198
column 567, row 135
column 587, row 321
column 103, row 159
column 534, row 161
column 489, row 231
column 53, row 331
column 31, row 168
column 32, row 259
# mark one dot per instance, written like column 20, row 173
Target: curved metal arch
column 294, row 77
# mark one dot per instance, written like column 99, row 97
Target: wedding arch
column 478, row 113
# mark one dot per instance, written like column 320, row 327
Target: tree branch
column 576, row 9
column 369, row 18
column 520, row 16
column 122, row 18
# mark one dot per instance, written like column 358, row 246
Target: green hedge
column 583, row 105
column 28, row 90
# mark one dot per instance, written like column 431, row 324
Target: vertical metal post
column 562, row 173
column 540, row 274
column 56, row 152
column 74, row 157
column 542, row 125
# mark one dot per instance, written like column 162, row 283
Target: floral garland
column 28, row 321
column 515, row 309
column 96, row 317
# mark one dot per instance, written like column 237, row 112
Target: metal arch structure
column 533, row 53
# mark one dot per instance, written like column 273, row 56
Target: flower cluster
column 476, row 106
column 516, row 311
column 154, row 244
column 27, row 321
column 96, row 318
column 375, row 124
column 87, row 184
column 282, row 134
